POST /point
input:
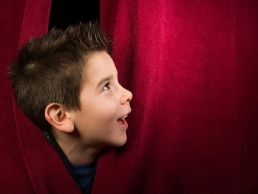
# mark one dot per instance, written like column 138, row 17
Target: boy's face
column 104, row 104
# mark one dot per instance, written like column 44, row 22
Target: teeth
column 123, row 117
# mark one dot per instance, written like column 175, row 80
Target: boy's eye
column 106, row 86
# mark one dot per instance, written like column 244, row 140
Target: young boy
column 67, row 84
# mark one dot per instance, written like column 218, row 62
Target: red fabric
column 193, row 69
column 29, row 164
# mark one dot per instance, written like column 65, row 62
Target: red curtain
column 193, row 69
column 28, row 163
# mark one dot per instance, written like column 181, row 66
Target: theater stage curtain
column 28, row 163
column 192, row 67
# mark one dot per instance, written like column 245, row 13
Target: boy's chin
column 120, row 143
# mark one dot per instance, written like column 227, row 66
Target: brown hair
column 49, row 68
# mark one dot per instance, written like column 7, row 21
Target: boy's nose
column 126, row 96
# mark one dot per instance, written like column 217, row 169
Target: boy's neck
column 77, row 154
column 75, row 149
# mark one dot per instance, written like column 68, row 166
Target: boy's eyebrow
column 103, row 80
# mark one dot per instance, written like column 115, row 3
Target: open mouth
column 122, row 121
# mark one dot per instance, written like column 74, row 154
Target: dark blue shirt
column 85, row 175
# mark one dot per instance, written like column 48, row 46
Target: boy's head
column 51, row 69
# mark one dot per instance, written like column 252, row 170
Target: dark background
column 64, row 13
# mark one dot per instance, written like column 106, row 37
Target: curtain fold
column 29, row 164
column 192, row 67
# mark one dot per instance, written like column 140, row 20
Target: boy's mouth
column 122, row 118
column 122, row 121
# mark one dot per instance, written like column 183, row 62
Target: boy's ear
column 56, row 116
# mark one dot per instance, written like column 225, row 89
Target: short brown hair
column 49, row 68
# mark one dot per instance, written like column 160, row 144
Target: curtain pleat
column 29, row 164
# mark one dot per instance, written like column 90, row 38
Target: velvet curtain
column 192, row 67
column 28, row 163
